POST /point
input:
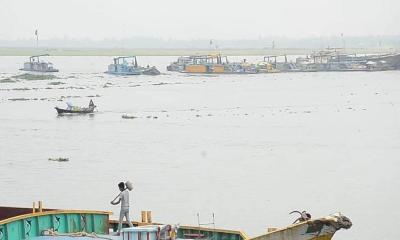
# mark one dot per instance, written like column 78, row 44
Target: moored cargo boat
column 129, row 66
column 218, row 64
column 312, row 229
column 270, row 64
column 36, row 65
column 32, row 223
column 335, row 60
column 29, row 223
column 180, row 63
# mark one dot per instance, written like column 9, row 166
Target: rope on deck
column 50, row 232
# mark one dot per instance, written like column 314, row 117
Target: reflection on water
column 249, row 148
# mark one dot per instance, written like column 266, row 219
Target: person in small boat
column 91, row 104
column 124, row 200
column 69, row 104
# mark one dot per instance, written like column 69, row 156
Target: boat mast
column 343, row 41
column 37, row 38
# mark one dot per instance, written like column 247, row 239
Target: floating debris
column 21, row 89
column 161, row 83
column 128, row 116
column 18, row 99
column 107, row 84
column 60, row 159
column 63, row 97
column 56, row 83
column 29, row 76
column 7, row 80
column 71, row 87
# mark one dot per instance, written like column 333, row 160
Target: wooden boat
column 77, row 110
column 217, row 64
column 179, row 65
column 334, row 59
column 313, row 229
column 35, row 65
column 28, row 223
column 129, row 66
column 33, row 223
column 270, row 64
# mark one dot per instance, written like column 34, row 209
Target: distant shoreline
column 5, row 51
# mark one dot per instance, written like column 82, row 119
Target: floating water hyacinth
column 29, row 76
column 59, row 159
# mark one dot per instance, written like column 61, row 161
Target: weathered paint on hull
column 31, row 225
column 124, row 73
column 43, row 71
column 19, row 224
column 317, row 229
column 300, row 232
column 210, row 233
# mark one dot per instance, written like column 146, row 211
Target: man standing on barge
column 124, row 200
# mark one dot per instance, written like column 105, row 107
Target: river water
column 249, row 148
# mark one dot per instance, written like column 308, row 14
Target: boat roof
column 275, row 55
column 209, row 56
column 123, row 57
column 40, row 55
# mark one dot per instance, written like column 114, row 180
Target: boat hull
column 81, row 111
column 123, row 73
column 150, row 71
column 392, row 60
column 317, row 229
column 24, row 223
column 44, row 71
column 29, row 223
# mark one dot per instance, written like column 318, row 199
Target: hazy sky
column 185, row 19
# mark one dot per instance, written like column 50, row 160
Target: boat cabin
column 36, row 65
column 207, row 64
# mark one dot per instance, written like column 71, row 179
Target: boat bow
column 314, row 229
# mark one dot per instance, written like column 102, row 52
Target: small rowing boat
column 76, row 110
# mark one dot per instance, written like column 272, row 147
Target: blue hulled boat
column 129, row 66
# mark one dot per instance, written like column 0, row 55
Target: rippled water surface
column 250, row 148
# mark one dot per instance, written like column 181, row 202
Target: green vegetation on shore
column 173, row 52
